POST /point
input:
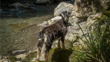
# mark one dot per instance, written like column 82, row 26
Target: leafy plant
column 98, row 44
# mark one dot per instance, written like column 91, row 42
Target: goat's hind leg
column 39, row 46
column 62, row 40
column 59, row 43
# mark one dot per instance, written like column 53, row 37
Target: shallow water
column 18, row 26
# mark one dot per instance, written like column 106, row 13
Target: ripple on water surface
column 15, row 29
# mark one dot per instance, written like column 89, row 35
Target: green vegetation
column 30, row 56
column 97, row 41
column 59, row 55
column 12, row 58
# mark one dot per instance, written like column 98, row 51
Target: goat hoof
column 37, row 61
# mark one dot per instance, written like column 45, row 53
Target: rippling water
column 14, row 26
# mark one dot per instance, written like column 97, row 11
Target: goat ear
column 61, row 15
column 69, row 13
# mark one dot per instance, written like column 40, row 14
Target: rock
column 45, row 23
column 34, row 59
column 4, row 59
column 68, row 44
column 18, row 61
column 30, row 57
column 44, row 1
column 60, row 55
column 91, row 19
column 42, row 53
column 63, row 6
column 53, row 20
column 19, row 5
column 16, row 52
column 73, row 19
column 21, row 56
column 75, row 44
column 74, row 30
column 88, row 7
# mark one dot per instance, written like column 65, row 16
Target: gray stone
column 45, row 23
column 18, row 51
column 42, row 53
column 17, row 4
column 34, row 59
column 63, row 6
column 75, row 44
column 21, row 56
column 91, row 19
column 53, row 20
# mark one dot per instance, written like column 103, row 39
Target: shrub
column 98, row 44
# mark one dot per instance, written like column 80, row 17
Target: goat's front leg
column 46, row 56
column 59, row 43
column 62, row 40
column 46, row 53
column 38, row 55
column 48, row 47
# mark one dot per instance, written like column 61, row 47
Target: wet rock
column 44, row 1
column 20, row 5
column 63, row 6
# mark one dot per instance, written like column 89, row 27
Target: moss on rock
column 59, row 55
column 30, row 56
column 12, row 58
column 107, row 13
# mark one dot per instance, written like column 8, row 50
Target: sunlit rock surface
column 63, row 6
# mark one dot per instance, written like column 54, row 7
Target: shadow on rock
column 59, row 55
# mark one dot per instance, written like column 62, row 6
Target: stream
column 18, row 26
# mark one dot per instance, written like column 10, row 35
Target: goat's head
column 65, row 16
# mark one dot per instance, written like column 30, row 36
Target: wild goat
column 50, row 33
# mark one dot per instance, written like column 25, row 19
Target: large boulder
column 63, row 6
